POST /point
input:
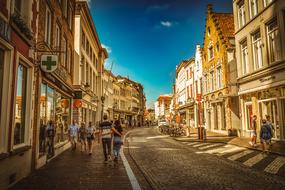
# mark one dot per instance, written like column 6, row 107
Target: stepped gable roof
column 224, row 23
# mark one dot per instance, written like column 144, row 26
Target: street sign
column 77, row 94
column 49, row 63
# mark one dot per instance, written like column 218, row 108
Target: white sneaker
column 250, row 143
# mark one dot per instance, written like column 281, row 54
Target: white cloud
column 155, row 8
column 109, row 50
column 167, row 24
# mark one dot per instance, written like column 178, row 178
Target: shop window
column 20, row 107
column 269, row 108
column 55, row 108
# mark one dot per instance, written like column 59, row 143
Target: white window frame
column 219, row 77
column 241, row 14
column 212, row 81
column 274, row 48
column 48, row 21
column 257, row 51
column 253, row 8
column 244, row 57
column 28, row 107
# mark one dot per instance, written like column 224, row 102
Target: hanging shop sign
column 77, row 94
column 77, row 104
column 49, row 63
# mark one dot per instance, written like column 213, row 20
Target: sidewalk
column 77, row 170
column 278, row 147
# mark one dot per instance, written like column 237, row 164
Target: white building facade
column 88, row 68
column 260, row 47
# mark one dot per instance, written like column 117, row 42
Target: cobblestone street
column 169, row 164
column 77, row 170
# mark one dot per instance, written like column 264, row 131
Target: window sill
column 20, row 150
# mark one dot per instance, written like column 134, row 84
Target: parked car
column 162, row 123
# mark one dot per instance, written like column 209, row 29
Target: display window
column 20, row 108
column 55, row 116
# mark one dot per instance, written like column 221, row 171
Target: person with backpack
column 265, row 135
column 271, row 126
column 106, row 131
column 82, row 136
column 50, row 138
column 90, row 137
column 117, row 141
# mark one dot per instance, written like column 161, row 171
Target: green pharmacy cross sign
column 49, row 63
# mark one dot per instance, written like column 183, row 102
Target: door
column 270, row 108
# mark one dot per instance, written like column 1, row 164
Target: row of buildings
column 52, row 70
column 238, row 73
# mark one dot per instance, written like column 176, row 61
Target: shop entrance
column 269, row 107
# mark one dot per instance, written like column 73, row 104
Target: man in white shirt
column 73, row 134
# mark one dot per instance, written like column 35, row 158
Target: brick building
column 54, row 94
column 89, row 60
column 219, row 73
column 17, row 26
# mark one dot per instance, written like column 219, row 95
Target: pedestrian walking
column 268, row 120
column 73, row 134
column 106, row 130
column 90, row 137
column 42, row 137
column 253, row 133
column 117, row 142
column 50, row 138
column 265, row 135
column 82, row 136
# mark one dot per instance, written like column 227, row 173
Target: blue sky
column 146, row 39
